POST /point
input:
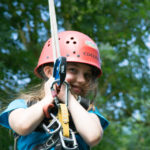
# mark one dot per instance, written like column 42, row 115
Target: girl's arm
column 87, row 124
column 24, row 121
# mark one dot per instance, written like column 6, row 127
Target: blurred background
column 121, row 29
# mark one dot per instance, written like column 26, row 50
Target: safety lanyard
column 59, row 70
column 60, row 126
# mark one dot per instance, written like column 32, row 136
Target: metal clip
column 59, row 71
column 66, row 92
column 68, row 143
column 52, row 140
column 53, row 127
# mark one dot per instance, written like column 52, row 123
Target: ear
column 48, row 71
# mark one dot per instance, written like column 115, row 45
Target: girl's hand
column 62, row 94
column 47, row 88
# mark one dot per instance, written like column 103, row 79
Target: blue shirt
column 36, row 137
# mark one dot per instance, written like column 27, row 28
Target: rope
column 55, row 43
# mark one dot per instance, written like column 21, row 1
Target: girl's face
column 79, row 76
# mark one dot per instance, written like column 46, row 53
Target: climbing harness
column 54, row 139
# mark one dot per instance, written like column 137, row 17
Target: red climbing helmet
column 76, row 47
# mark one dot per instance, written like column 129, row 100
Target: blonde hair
column 37, row 93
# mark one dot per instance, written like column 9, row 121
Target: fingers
column 62, row 95
column 47, row 86
column 60, row 92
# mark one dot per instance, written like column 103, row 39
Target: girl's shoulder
column 18, row 103
column 104, row 122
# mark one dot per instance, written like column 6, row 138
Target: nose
column 80, row 78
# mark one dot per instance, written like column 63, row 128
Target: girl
column 24, row 115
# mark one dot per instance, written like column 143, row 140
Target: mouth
column 76, row 89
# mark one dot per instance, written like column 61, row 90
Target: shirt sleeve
column 19, row 103
column 104, row 122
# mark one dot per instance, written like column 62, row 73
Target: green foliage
column 6, row 139
column 121, row 30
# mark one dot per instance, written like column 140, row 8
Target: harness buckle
column 68, row 143
column 53, row 127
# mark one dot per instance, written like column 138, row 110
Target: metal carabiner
column 55, row 94
column 68, row 141
column 52, row 140
column 49, row 143
column 67, row 92
column 53, row 127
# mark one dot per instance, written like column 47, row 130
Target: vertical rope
column 54, row 32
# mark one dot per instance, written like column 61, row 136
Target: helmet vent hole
column 72, row 38
column 74, row 42
column 78, row 55
column 59, row 38
column 67, row 55
column 67, row 42
column 74, row 52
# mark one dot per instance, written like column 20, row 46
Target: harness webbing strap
column 16, row 137
column 63, row 117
